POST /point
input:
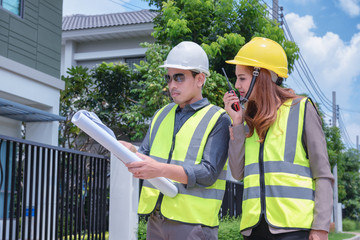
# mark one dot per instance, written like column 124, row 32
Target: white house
column 89, row 40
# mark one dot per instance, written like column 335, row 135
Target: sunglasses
column 178, row 77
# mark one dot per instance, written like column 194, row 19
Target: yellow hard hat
column 263, row 53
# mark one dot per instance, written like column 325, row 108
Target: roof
column 78, row 21
column 25, row 113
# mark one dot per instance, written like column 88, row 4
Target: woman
column 278, row 148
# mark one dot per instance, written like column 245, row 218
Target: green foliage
column 334, row 144
column 74, row 97
column 349, row 181
column 112, row 95
column 103, row 90
column 348, row 165
column 141, row 231
column 348, row 225
column 151, row 90
column 220, row 50
column 229, row 228
column 222, row 27
column 215, row 88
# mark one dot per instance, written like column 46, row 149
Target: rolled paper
column 86, row 122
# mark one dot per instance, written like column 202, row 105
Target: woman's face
column 243, row 79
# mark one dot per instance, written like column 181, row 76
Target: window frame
column 21, row 8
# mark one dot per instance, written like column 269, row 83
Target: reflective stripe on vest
column 197, row 205
column 282, row 163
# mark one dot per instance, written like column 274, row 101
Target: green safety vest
column 277, row 177
column 197, row 205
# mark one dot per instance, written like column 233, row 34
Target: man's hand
column 318, row 235
column 128, row 146
column 146, row 169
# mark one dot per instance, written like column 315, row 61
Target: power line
column 344, row 131
column 306, row 70
column 268, row 9
column 126, row 5
column 261, row 13
column 348, row 110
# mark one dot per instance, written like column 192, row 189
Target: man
column 187, row 142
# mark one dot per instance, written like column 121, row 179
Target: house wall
column 30, row 48
column 35, row 39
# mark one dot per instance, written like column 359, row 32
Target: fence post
column 124, row 197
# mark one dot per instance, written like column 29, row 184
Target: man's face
column 184, row 87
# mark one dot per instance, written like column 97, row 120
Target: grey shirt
column 314, row 140
column 215, row 151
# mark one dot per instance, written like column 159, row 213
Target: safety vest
column 197, row 205
column 278, row 181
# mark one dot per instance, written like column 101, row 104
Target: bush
column 229, row 228
column 349, row 225
column 142, row 228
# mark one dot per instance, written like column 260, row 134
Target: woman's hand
column 237, row 117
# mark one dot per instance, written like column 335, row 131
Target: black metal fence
column 48, row 192
column 232, row 201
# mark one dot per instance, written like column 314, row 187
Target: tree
column 74, row 97
column 349, row 181
column 104, row 90
column 211, row 23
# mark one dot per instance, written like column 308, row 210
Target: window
column 14, row 6
column 132, row 61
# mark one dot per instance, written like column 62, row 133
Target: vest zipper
column 160, row 198
column 262, row 179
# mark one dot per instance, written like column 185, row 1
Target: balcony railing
column 47, row 192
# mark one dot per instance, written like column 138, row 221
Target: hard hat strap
column 256, row 73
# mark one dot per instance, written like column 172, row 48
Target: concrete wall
column 33, row 88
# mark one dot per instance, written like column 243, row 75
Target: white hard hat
column 188, row 56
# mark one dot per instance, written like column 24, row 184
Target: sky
column 327, row 33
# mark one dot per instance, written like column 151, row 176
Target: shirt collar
column 195, row 106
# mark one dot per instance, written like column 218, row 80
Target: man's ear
column 200, row 79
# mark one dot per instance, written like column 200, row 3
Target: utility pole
column 275, row 10
column 334, row 108
column 357, row 142
column 335, row 207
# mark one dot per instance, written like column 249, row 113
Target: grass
column 340, row 236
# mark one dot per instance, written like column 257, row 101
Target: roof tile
column 79, row 21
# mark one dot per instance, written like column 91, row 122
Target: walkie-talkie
column 235, row 106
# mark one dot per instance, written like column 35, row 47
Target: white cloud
column 330, row 59
column 351, row 7
column 333, row 62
